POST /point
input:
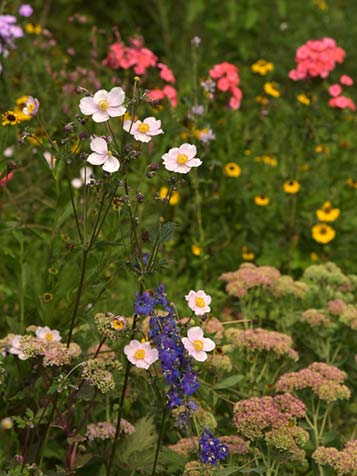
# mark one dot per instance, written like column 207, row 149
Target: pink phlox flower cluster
column 337, row 99
column 166, row 73
column 168, row 92
column 227, row 80
column 263, row 340
column 135, row 56
column 249, row 276
column 316, row 58
column 326, row 381
column 344, row 461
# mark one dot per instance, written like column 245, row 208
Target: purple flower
column 212, row 450
column 25, row 10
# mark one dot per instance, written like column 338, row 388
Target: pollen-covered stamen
column 143, row 128
column 103, row 105
column 139, row 354
column 198, row 344
column 182, row 158
column 49, row 337
column 200, row 302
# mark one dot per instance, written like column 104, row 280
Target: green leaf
column 229, row 382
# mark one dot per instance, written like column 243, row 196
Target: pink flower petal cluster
column 316, row 58
column 249, row 276
column 263, row 340
column 167, row 91
column 342, row 102
column 135, row 56
column 181, row 159
column 227, row 79
column 6, row 178
column 326, row 381
column 166, row 73
column 346, row 80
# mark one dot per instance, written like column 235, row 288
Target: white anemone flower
column 197, row 345
column 104, row 105
column 102, row 156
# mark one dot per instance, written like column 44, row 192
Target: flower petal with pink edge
column 208, row 344
column 96, row 159
column 116, row 111
column 100, row 116
column 88, row 106
column 200, row 355
column 116, row 97
column 99, row 145
column 188, row 149
column 111, row 164
column 195, row 333
column 101, row 95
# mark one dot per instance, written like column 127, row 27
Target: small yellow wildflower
column 33, row 29
column 175, row 196
column 262, row 67
column 261, row 200
column 262, row 100
column 327, row 213
column 184, row 135
column 247, row 152
column 76, row 147
column 303, row 99
column 320, row 148
column 247, row 254
column 232, row 169
column 323, row 233
column 272, row 89
column 196, row 250
column 314, row 256
column 10, row 118
column 291, row 186
column 351, row 183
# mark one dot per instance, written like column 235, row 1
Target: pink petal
column 208, row 344
column 188, row 149
column 96, row 159
column 100, row 116
column 88, row 106
column 99, row 145
column 111, row 164
column 116, row 97
column 195, row 333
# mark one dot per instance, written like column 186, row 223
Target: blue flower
column 212, row 450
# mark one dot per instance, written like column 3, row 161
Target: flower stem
column 161, row 431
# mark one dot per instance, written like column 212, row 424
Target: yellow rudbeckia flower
column 323, row 233
column 327, row 213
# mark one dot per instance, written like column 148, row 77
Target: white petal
column 100, row 116
column 101, row 95
column 111, row 164
column 200, row 355
column 142, row 137
column 116, row 97
column 188, row 149
column 96, row 159
column 195, row 333
column 194, row 162
column 88, row 106
column 208, row 344
column 116, row 111
column 77, row 183
column 99, row 145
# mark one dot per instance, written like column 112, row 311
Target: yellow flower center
column 143, row 128
column 31, row 107
column 103, row 105
column 49, row 337
column 198, row 344
column 139, row 354
column 109, row 153
column 117, row 324
column 200, row 302
column 182, row 158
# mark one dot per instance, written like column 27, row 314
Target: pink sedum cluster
column 104, row 430
column 259, row 340
column 326, row 381
column 316, row 58
column 344, row 461
column 227, row 79
column 273, row 419
column 249, row 276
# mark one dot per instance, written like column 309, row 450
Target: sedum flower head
column 344, row 461
column 325, row 381
column 259, row 340
column 285, row 286
column 327, row 273
column 316, row 318
column 105, row 430
column 349, row 316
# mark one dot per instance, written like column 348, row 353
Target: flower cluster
column 337, row 99
column 234, row 443
column 316, row 58
column 273, row 419
column 249, row 276
column 285, row 285
column 327, row 273
column 260, row 340
column 349, row 316
column 212, row 449
column 176, row 366
column 227, row 80
column 99, row 373
column 9, row 32
column 262, row 67
column 316, row 318
column 336, row 306
column 344, row 461
column 45, row 343
column 326, row 381
column 104, row 430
